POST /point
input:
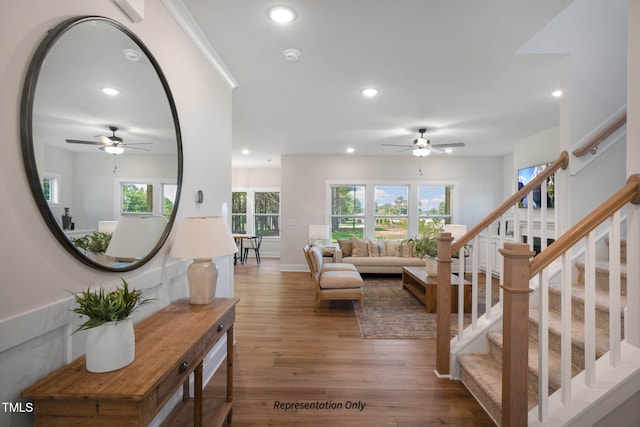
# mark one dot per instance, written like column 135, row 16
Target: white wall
column 304, row 181
column 36, row 274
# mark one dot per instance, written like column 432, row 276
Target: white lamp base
column 203, row 275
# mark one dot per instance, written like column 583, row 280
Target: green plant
column 427, row 244
column 94, row 243
column 102, row 307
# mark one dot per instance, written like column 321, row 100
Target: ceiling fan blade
column 137, row 143
column 398, row 145
column 450, row 145
column 135, row 148
column 77, row 141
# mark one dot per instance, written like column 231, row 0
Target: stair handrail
column 616, row 122
column 447, row 247
column 629, row 193
column 516, row 302
column 562, row 162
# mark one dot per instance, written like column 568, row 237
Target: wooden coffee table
column 424, row 287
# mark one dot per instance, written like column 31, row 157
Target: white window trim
column 157, row 183
column 56, row 191
column 251, row 223
column 369, row 202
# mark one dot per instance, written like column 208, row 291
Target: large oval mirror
column 101, row 143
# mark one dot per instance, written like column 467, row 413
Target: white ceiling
column 449, row 66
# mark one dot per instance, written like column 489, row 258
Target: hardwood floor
column 287, row 354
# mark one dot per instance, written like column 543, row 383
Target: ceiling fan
column 111, row 144
column 422, row 147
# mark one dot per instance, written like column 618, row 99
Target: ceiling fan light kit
column 113, row 149
column 422, row 147
column 111, row 144
column 421, row 152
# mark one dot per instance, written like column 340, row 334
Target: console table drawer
column 219, row 330
column 179, row 373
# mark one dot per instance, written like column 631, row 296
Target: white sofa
column 379, row 256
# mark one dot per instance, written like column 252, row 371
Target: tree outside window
column 434, row 205
column 392, row 212
column 137, row 198
column 239, row 212
column 267, row 213
column 347, row 211
column 169, row 198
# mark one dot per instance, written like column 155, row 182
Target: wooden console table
column 416, row 281
column 170, row 345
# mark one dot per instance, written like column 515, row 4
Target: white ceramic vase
column 110, row 347
column 432, row 266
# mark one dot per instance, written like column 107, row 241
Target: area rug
column 391, row 312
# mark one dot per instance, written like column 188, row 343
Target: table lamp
column 203, row 238
column 456, row 230
column 135, row 236
column 319, row 232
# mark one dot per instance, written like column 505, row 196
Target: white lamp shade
column 203, row 237
column 135, row 236
column 456, row 230
column 319, row 232
column 107, row 226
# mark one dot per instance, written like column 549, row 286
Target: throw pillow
column 346, row 247
column 406, row 250
column 377, row 248
column 360, row 247
column 392, row 247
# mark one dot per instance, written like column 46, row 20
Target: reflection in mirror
column 101, row 143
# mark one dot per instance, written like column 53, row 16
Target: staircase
column 481, row 373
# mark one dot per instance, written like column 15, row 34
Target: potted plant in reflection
column 426, row 245
column 110, row 341
column 94, row 244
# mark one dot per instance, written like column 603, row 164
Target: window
column 267, row 213
column 239, row 212
column 388, row 210
column 51, row 188
column 391, row 212
column 434, row 203
column 256, row 212
column 145, row 197
column 169, row 192
column 347, row 211
column 137, row 198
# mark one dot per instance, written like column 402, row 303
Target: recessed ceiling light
column 110, row 91
column 281, row 14
column 245, row 151
column 291, row 55
column 370, row 92
column 132, row 55
column 556, row 93
column 350, row 150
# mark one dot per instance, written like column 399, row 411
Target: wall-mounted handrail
column 629, row 193
column 615, row 123
column 561, row 162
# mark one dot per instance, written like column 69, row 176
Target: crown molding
column 182, row 16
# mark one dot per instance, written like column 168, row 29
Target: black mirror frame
column 26, row 138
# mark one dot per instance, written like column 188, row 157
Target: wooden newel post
column 443, row 337
column 515, row 330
